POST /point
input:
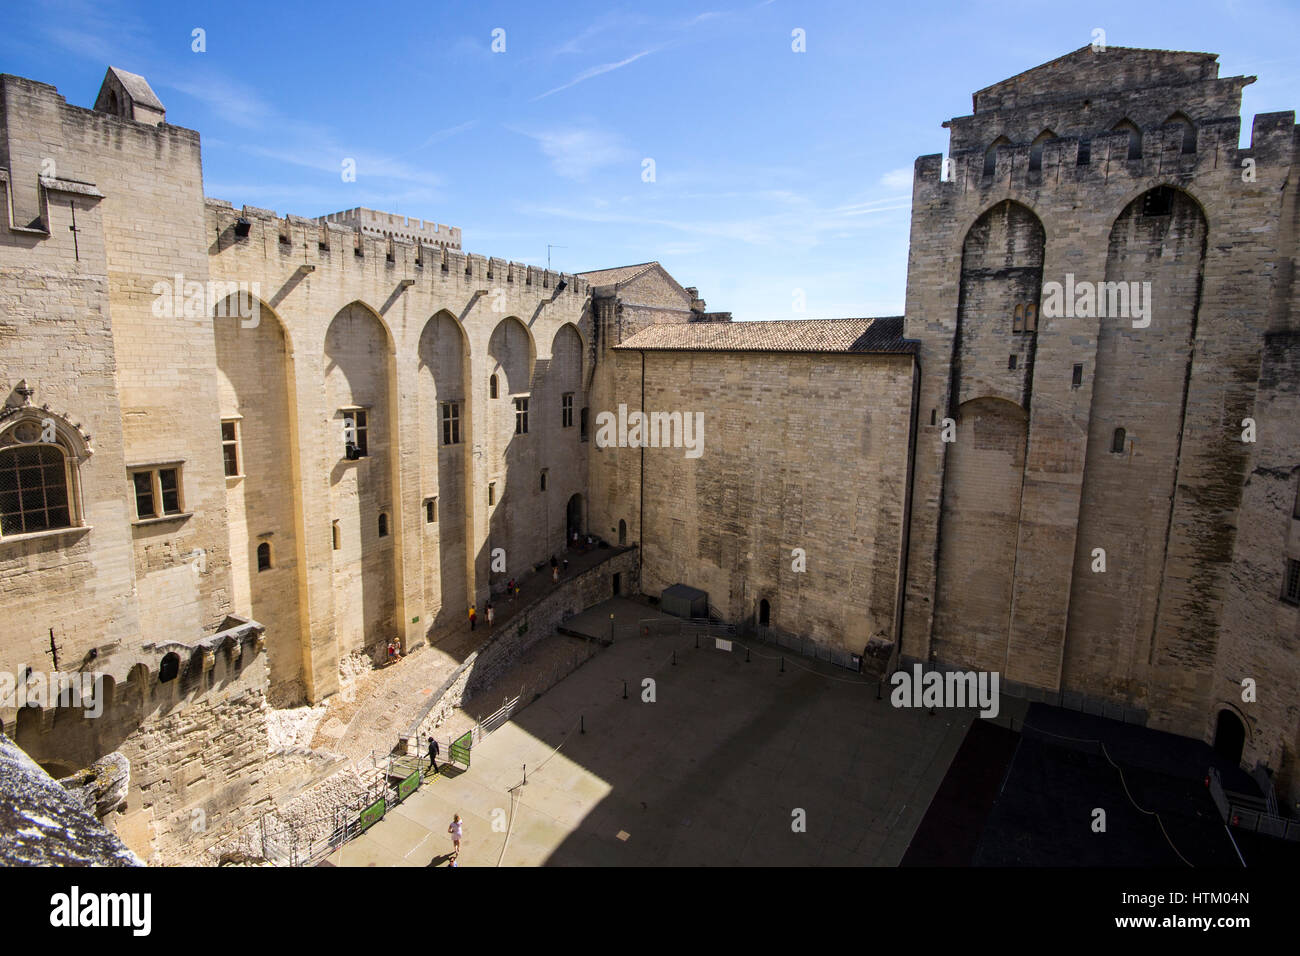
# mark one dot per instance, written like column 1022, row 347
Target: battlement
column 328, row 244
column 1104, row 156
column 396, row 226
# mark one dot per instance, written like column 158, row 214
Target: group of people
column 577, row 545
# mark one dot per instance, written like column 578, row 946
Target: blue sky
column 774, row 171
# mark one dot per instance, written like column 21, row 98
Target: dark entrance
column 573, row 519
column 618, row 584
column 764, row 613
column 1229, row 737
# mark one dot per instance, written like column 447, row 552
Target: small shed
column 684, row 601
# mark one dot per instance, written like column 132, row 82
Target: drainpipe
column 640, row 518
column 900, row 604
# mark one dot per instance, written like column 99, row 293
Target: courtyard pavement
column 718, row 770
column 381, row 703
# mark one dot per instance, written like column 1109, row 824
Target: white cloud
column 575, row 151
column 595, row 71
column 898, row 178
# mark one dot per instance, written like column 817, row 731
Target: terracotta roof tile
column 787, row 335
column 618, row 274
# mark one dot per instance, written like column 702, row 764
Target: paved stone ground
column 378, row 704
column 710, row 773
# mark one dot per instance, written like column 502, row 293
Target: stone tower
column 1093, row 276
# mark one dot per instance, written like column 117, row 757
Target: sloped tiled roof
column 138, row 88
column 618, row 274
column 785, row 335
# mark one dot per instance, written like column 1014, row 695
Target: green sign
column 460, row 749
column 408, row 786
column 372, row 814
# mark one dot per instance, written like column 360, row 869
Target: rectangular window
column 566, row 410
column 582, row 427
column 356, row 427
column 521, row 416
column 430, row 510
column 230, row 446
column 1011, row 363
column 1076, row 376
column 144, row 494
column 157, row 492
column 492, row 492
column 169, row 484
column 1291, row 586
column 451, row 423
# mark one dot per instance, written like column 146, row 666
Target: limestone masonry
column 237, row 447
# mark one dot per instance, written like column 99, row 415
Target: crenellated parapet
column 1105, row 159
column 341, row 247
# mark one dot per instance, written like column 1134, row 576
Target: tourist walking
column 433, row 754
column 491, row 614
column 454, row 830
column 473, row 617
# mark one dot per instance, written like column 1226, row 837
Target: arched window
column 264, row 556
column 169, row 668
column 1036, row 150
column 492, row 387
column 33, row 489
column 39, row 455
column 1189, row 131
column 1117, row 441
column 991, row 155
column 335, row 535
column 622, row 531
column 383, row 525
column 1134, row 137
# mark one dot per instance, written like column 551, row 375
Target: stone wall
column 437, row 326
column 800, row 451
column 1211, row 227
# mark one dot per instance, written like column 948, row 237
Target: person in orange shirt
column 473, row 617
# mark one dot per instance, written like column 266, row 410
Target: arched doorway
column 1229, row 737
column 573, row 519
column 764, row 613
column 622, row 532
